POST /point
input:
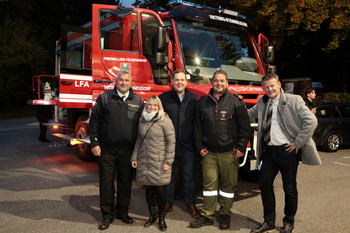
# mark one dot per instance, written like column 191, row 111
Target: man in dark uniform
column 43, row 114
column 222, row 131
column 180, row 104
column 113, row 131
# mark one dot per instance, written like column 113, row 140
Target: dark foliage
column 29, row 30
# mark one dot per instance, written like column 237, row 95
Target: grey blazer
column 296, row 121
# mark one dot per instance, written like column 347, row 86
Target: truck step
column 72, row 140
column 52, row 124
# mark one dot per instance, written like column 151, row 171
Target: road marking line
column 346, row 157
column 344, row 164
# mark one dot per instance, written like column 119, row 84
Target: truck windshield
column 207, row 48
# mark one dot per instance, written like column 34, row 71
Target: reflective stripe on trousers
column 220, row 172
column 215, row 193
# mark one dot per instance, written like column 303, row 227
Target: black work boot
column 152, row 217
column 162, row 224
column 200, row 222
column 224, row 222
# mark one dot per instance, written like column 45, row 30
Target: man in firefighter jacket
column 113, row 131
column 222, row 131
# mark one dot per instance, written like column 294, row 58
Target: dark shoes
column 162, row 223
column 224, row 222
column 287, row 227
column 43, row 139
column 106, row 221
column 168, row 208
column 200, row 222
column 265, row 227
column 125, row 218
column 192, row 211
column 105, row 224
column 152, row 219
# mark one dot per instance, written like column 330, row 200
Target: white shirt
column 277, row 137
column 182, row 97
column 121, row 95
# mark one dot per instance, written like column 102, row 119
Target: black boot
column 152, row 217
column 162, row 224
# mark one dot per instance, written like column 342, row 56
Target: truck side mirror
column 272, row 70
column 162, row 39
column 264, row 48
column 161, row 56
column 271, row 54
column 162, row 59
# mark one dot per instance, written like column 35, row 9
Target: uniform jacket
column 223, row 124
column 44, row 112
column 296, row 121
column 158, row 147
column 182, row 115
column 114, row 121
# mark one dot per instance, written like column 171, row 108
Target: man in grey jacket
column 285, row 129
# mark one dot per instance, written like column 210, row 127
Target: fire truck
column 150, row 45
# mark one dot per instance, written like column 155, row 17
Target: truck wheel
column 332, row 142
column 83, row 150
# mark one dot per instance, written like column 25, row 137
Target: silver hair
column 124, row 72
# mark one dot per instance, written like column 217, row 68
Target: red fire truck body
column 197, row 39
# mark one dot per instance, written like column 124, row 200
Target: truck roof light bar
column 233, row 13
column 228, row 12
column 190, row 4
column 220, row 10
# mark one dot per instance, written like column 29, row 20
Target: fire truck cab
column 150, row 45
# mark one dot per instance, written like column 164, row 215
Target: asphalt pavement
column 44, row 187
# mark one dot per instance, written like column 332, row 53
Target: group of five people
column 174, row 128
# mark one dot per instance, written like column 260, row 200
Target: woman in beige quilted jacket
column 153, row 156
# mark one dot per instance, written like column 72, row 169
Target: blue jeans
column 186, row 159
column 277, row 159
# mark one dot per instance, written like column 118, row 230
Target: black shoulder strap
column 146, row 133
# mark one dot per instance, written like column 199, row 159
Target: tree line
column 311, row 37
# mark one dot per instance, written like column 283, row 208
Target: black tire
column 83, row 150
column 332, row 142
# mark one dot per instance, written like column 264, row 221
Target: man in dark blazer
column 284, row 138
column 180, row 104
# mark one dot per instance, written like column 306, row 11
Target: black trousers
column 156, row 196
column 277, row 159
column 113, row 160
column 43, row 129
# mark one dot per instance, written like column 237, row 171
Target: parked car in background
column 333, row 128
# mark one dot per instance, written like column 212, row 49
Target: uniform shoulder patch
column 240, row 97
